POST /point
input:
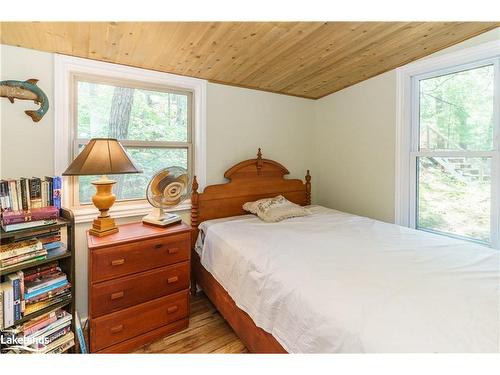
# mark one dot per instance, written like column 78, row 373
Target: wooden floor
column 208, row 332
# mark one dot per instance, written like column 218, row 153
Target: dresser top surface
column 135, row 232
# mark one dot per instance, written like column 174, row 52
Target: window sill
column 86, row 214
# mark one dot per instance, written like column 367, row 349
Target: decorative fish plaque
column 26, row 90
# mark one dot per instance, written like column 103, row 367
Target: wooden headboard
column 249, row 180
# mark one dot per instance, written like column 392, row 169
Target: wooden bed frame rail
column 249, row 181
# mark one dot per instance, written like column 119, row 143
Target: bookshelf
column 65, row 259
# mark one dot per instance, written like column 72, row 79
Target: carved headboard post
column 258, row 161
column 194, row 210
column 308, row 188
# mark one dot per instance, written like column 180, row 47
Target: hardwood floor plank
column 235, row 347
column 208, row 332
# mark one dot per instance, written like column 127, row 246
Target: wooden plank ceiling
column 307, row 59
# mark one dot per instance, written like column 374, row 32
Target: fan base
column 162, row 221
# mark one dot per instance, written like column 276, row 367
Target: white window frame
column 66, row 68
column 407, row 140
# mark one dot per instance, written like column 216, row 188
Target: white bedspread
column 334, row 282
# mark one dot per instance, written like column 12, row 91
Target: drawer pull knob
column 117, row 295
column 116, row 329
column 117, row 262
column 158, row 246
column 172, row 309
column 173, row 250
column 172, row 279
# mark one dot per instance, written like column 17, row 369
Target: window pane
column 454, row 196
column 110, row 111
column 456, row 110
column 133, row 186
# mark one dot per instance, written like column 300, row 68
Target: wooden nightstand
column 138, row 286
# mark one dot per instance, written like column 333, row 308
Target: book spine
column 2, row 193
column 58, row 292
column 42, row 305
column 51, row 190
column 66, row 341
column 46, row 289
column 44, row 193
column 17, row 312
column 63, row 319
column 22, row 191
column 16, row 290
column 44, row 284
column 3, row 196
column 40, row 272
column 28, row 224
column 8, row 201
column 21, row 258
column 8, row 305
column 64, row 295
column 14, row 280
column 1, row 308
column 19, row 194
column 49, row 239
column 43, row 213
column 54, row 327
column 20, row 275
column 54, row 336
column 28, row 194
column 35, row 192
column 63, row 347
column 20, row 251
column 79, row 333
column 57, row 190
column 39, row 324
column 45, row 320
column 53, row 245
column 14, row 217
column 13, row 195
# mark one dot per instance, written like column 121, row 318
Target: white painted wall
column 354, row 140
column 27, row 148
column 238, row 122
column 354, row 143
column 242, row 120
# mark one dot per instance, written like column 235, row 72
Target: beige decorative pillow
column 275, row 209
column 252, row 206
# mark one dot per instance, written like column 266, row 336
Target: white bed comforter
column 334, row 282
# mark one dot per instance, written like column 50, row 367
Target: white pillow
column 275, row 209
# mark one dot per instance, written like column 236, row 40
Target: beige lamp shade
column 101, row 156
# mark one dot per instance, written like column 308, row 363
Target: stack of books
column 31, row 290
column 45, row 286
column 48, row 333
column 29, row 202
column 36, row 245
column 27, row 193
column 34, row 217
column 21, row 252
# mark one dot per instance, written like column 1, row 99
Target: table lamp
column 102, row 156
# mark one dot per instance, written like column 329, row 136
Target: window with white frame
column 158, row 117
column 152, row 123
column 453, row 151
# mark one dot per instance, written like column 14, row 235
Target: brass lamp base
column 104, row 198
column 103, row 226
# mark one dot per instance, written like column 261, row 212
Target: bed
column 334, row 282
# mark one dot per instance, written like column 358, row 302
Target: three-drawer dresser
column 138, row 286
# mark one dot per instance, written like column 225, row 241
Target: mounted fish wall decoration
column 26, row 90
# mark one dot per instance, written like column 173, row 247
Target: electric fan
column 167, row 189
